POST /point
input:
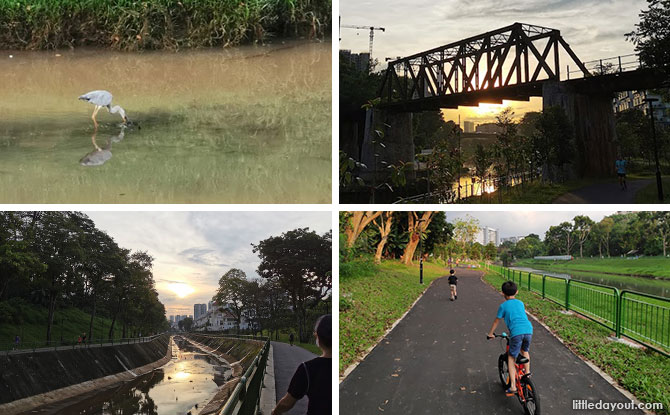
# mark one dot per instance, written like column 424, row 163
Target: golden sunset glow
column 181, row 289
column 485, row 113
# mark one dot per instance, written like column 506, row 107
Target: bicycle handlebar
column 503, row 335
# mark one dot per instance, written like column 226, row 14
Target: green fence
column 641, row 317
column 245, row 399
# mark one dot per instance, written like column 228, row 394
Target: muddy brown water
column 242, row 125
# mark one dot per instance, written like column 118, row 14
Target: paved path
column 605, row 193
column 437, row 361
column 286, row 359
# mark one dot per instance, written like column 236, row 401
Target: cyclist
column 452, row 285
column 521, row 330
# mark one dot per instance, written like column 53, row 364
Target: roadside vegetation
column 51, row 262
column 157, row 24
column 650, row 266
column 373, row 297
column 69, row 324
column 643, row 372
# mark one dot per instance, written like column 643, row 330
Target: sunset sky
column 192, row 250
column 593, row 28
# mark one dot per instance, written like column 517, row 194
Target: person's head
column 451, row 271
column 324, row 331
column 509, row 289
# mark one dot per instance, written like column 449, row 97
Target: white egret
column 103, row 99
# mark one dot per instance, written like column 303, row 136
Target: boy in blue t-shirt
column 521, row 331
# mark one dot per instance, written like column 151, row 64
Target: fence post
column 544, row 280
column 617, row 315
column 567, row 294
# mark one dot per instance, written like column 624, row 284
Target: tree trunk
column 52, row 311
column 90, row 325
column 416, row 229
column 384, row 231
column 111, row 326
column 358, row 222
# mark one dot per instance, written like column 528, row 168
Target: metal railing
column 616, row 64
column 246, row 397
column 641, row 317
column 54, row 345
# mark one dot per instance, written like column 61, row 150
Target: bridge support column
column 593, row 118
column 397, row 143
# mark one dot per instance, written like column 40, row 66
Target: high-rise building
column 171, row 319
column 486, row 235
column 199, row 309
column 360, row 60
column 209, row 305
column 468, row 127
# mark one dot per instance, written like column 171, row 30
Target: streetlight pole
column 659, row 182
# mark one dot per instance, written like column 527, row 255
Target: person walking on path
column 513, row 312
column 620, row 165
column 452, row 285
column 313, row 378
column 291, row 337
column 17, row 341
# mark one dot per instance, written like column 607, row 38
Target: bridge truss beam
column 516, row 55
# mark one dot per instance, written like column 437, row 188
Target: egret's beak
column 125, row 120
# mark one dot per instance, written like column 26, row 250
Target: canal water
column 651, row 286
column 240, row 125
column 191, row 378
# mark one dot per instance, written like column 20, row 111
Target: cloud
column 196, row 248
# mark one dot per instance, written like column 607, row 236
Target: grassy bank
column 372, row 298
column 157, row 24
column 646, row 374
column 68, row 325
column 658, row 267
column 649, row 193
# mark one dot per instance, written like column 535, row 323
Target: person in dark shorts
column 291, row 337
column 313, row 378
column 513, row 313
column 620, row 165
column 452, row 285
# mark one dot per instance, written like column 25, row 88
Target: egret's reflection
column 100, row 155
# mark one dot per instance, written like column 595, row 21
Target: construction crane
column 372, row 35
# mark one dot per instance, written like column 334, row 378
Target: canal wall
column 29, row 380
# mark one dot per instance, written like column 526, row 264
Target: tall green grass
column 157, row 24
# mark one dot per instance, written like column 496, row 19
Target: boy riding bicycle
column 521, row 331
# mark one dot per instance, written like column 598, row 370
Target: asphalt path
column 437, row 361
column 605, row 193
column 286, row 361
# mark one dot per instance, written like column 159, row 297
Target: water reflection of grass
column 156, row 24
column 277, row 151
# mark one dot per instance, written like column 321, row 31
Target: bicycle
column 525, row 388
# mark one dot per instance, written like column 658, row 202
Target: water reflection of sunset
column 486, row 113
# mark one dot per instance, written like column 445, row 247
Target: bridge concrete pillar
column 592, row 116
column 398, row 141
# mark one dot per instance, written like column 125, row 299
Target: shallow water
column 190, row 378
column 243, row 125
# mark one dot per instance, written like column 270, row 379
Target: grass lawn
column 649, row 193
column 372, row 298
column 644, row 373
column 283, row 337
column 68, row 325
column 646, row 266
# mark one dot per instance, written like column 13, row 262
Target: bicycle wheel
column 531, row 403
column 503, row 372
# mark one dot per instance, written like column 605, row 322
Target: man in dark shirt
column 313, row 378
column 452, row 285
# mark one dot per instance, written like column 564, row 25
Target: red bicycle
column 525, row 389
